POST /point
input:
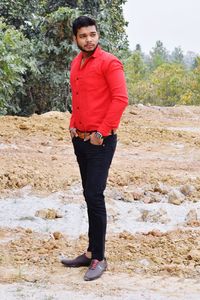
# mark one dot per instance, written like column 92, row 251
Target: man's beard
column 87, row 51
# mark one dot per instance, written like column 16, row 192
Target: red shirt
column 99, row 94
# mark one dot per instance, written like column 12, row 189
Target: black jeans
column 94, row 162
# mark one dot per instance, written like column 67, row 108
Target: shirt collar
column 96, row 53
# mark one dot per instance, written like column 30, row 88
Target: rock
column 154, row 197
column 191, row 216
column 192, row 219
column 175, row 197
column 144, row 262
column 46, row 143
column 194, row 255
column 137, row 195
column 133, row 112
column 48, row 214
column 42, row 251
column 131, row 194
column 140, row 105
column 159, row 216
column 194, row 223
column 161, row 188
column 54, row 158
column 24, row 126
column 57, row 235
column 187, row 189
column 126, row 197
column 197, row 268
column 154, row 232
column 147, row 200
column 40, row 151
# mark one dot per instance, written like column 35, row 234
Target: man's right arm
column 115, row 78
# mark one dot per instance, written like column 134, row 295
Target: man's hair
column 82, row 21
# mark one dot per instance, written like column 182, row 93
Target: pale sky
column 174, row 22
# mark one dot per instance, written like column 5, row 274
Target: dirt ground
column 156, row 164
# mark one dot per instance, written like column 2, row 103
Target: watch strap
column 98, row 135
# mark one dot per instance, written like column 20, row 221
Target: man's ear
column 74, row 39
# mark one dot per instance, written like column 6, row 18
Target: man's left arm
column 115, row 79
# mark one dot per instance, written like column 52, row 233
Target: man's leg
column 94, row 162
column 80, row 152
column 99, row 159
column 79, row 149
column 94, row 165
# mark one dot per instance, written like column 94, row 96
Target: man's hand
column 95, row 140
column 73, row 132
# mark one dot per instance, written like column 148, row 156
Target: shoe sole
column 75, row 266
column 93, row 278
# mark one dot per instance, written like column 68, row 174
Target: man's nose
column 89, row 38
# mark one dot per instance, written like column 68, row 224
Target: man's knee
column 93, row 197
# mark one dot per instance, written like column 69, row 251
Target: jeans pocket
column 94, row 145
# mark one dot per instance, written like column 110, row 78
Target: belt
column 84, row 134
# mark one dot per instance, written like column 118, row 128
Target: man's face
column 87, row 38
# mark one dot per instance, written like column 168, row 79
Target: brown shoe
column 79, row 261
column 96, row 269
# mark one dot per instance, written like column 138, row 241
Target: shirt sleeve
column 72, row 121
column 115, row 79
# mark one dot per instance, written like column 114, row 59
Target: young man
column 99, row 97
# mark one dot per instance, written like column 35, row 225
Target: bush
column 15, row 60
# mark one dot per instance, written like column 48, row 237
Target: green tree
column 112, row 26
column 20, row 13
column 15, row 60
column 168, row 80
column 192, row 94
column 54, row 51
column 135, row 70
column 50, row 6
column 177, row 56
column 189, row 60
column 47, row 23
column 196, row 62
column 138, row 48
column 196, row 84
column 165, row 86
column 158, row 55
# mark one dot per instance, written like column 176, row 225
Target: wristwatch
column 98, row 135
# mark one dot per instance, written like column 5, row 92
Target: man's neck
column 86, row 54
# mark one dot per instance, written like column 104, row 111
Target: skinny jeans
column 94, row 162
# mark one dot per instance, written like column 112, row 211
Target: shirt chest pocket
column 93, row 80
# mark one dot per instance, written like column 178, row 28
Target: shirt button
column 76, row 93
column 77, row 78
column 77, row 107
